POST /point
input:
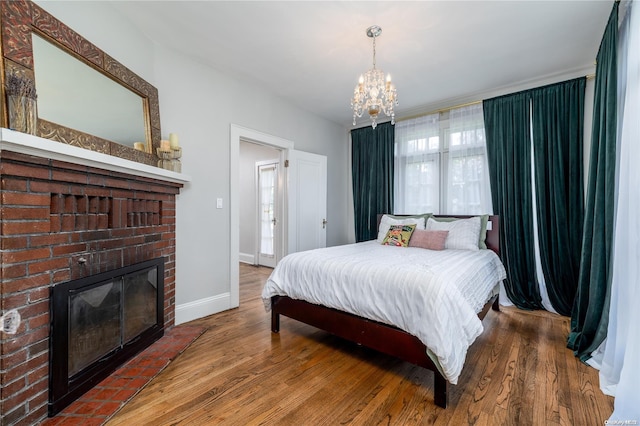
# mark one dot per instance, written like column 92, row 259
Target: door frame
column 238, row 133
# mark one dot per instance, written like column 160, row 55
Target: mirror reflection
column 75, row 95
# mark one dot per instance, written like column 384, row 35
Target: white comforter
column 434, row 295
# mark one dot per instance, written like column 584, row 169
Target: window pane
column 267, row 178
column 434, row 142
column 454, row 139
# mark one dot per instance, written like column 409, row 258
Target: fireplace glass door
column 99, row 322
column 94, row 324
column 140, row 307
column 103, row 318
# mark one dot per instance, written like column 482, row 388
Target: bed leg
column 275, row 322
column 439, row 389
column 496, row 304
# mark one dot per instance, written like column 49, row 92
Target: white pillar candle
column 173, row 140
column 139, row 146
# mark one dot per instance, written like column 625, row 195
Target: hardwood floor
column 518, row 372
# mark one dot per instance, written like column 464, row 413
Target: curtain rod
column 438, row 111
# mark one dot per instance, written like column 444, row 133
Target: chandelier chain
column 374, row 52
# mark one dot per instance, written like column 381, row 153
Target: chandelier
column 373, row 93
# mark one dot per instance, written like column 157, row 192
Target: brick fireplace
column 62, row 221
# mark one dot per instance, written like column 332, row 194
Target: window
column 441, row 164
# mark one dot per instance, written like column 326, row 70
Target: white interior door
column 267, row 191
column 307, row 201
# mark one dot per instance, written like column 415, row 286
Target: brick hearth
column 52, row 213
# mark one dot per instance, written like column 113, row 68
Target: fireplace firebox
column 99, row 322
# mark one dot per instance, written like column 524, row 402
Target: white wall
column 250, row 153
column 103, row 26
column 199, row 104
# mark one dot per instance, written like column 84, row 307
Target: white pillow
column 386, row 221
column 463, row 233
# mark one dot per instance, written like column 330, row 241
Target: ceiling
column 439, row 53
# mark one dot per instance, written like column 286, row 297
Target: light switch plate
column 219, row 203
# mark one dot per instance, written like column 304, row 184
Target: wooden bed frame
column 372, row 334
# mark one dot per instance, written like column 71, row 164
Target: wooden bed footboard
column 372, row 334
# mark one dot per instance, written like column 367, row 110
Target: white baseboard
column 247, row 258
column 203, row 307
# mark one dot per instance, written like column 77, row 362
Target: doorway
column 261, row 201
column 292, row 181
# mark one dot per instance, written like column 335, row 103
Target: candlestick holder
column 170, row 160
column 176, row 154
column 164, row 158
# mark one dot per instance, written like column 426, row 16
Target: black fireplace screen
column 140, row 309
column 103, row 318
column 98, row 323
column 94, row 324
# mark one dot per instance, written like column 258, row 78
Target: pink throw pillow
column 432, row 240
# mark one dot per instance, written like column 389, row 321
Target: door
column 307, row 201
column 267, row 191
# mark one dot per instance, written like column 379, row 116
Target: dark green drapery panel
column 507, row 129
column 558, row 121
column 552, row 119
column 372, row 172
column 589, row 316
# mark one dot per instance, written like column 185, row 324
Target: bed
column 345, row 291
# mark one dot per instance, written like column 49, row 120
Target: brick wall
column 52, row 214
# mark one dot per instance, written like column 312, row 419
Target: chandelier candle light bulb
column 373, row 93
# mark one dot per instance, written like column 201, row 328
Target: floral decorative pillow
column 388, row 220
column 398, row 235
column 432, row 240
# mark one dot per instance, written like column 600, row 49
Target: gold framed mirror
column 27, row 28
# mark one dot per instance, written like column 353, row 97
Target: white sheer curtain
column 468, row 189
column 417, row 165
column 441, row 164
column 620, row 352
column 542, row 284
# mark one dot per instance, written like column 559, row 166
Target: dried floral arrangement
column 20, row 85
column 21, row 103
